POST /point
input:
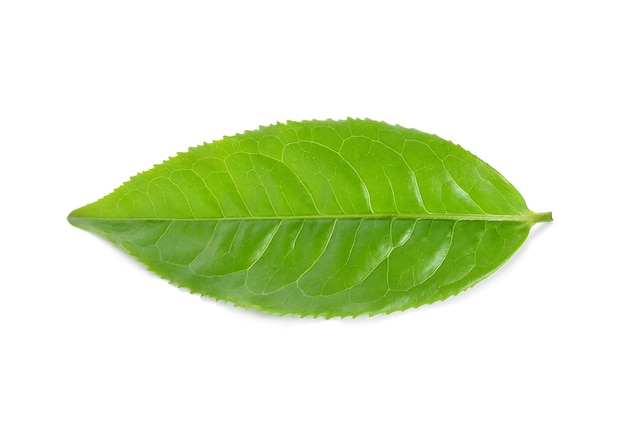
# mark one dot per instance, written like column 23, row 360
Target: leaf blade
column 319, row 218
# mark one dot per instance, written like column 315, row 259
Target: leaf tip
column 77, row 219
column 72, row 217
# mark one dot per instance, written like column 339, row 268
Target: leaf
column 321, row 218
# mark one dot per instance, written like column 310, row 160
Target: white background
column 92, row 92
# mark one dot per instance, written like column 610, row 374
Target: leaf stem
column 543, row 217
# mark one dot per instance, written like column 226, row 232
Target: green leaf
column 321, row 218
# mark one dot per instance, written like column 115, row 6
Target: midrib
column 528, row 217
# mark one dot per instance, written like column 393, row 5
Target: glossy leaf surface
column 321, row 218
